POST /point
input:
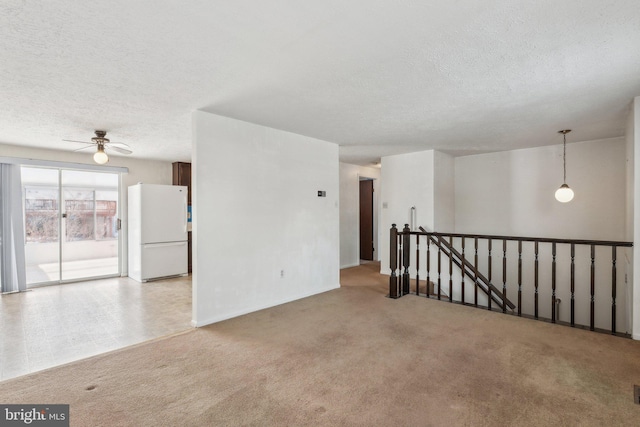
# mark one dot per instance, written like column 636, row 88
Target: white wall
column 350, row 212
column 423, row 179
column 629, row 220
column 629, row 136
column 512, row 192
column 257, row 214
column 140, row 170
column 633, row 137
column 444, row 192
column 407, row 180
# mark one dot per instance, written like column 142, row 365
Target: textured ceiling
column 376, row 77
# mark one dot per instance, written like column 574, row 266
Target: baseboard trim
column 349, row 265
column 242, row 312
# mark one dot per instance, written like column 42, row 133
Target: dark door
column 366, row 220
column 182, row 176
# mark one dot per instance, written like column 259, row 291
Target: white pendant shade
column 100, row 157
column 564, row 194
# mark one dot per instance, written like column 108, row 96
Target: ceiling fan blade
column 119, row 144
column 118, row 149
column 81, row 142
column 83, row 148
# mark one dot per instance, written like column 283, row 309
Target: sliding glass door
column 71, row 224
column 41, row 192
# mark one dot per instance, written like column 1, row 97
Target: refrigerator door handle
column 186, row 214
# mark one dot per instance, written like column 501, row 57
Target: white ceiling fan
column 103, row 144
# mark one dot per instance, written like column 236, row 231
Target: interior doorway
column 366, row 220
column 71, row 224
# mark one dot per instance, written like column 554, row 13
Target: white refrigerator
column 157, row 226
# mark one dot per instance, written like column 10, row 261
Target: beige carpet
column 353, row 357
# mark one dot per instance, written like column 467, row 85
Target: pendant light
column 564, row 194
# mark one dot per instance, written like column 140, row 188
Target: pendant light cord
column 564, row 154
column 564, row 158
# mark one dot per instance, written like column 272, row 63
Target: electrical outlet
column 281, row 273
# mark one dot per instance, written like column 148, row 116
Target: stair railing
column 471, row 271
column 445, row 244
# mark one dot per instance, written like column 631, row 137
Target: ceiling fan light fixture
column 100, row 157
column 101, row 143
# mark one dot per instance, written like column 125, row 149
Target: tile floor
column 58, row 324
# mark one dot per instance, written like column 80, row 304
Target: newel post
column 393, row 262
column 406, row 255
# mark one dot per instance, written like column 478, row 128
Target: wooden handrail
column 526, row 239
column 472, row 273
